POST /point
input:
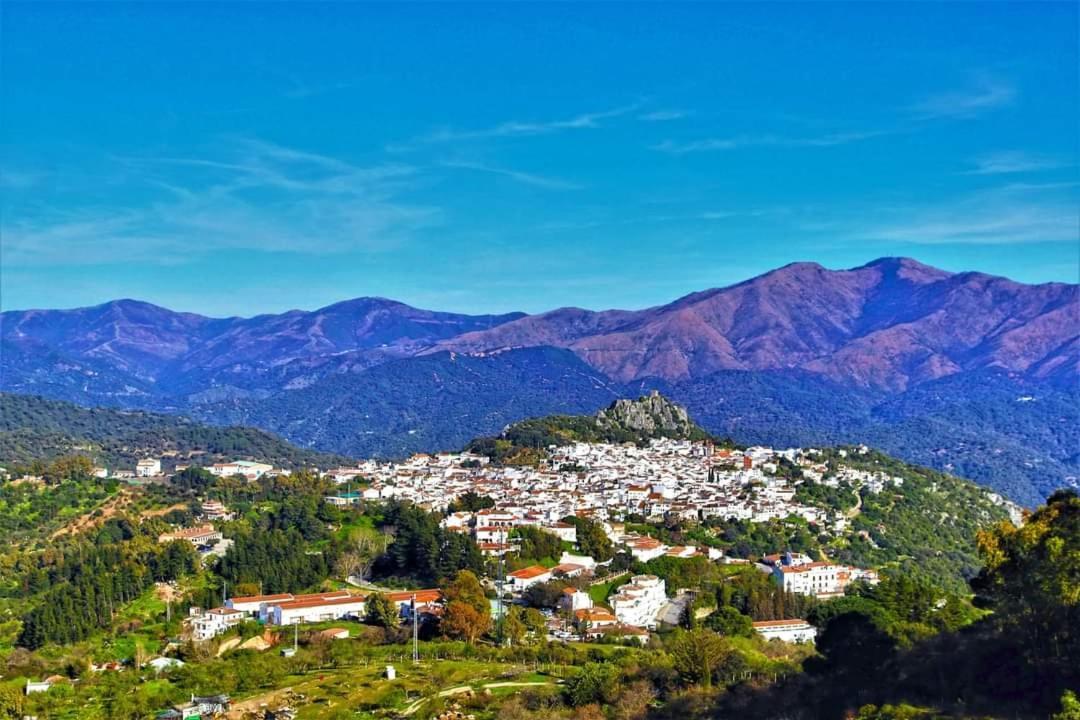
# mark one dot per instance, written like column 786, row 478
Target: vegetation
column 35, row 429
column 422, row 550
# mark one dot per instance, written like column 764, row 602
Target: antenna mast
column 415, row 632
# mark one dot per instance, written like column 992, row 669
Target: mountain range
column 962, row 371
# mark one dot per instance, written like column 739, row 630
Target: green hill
column 33, row 428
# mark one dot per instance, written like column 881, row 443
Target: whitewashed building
column 796, row 631
column 640, row 601
column 148, row 467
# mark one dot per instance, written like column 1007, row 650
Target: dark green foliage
column 545, row 595
column 277, row 559
column 470, row 501
column 196, row 479
column 595, row 683
column 755, row 594
column 74, row 592
column 729, row 622
column 427, row 403
column 528, row 440
column 591, row 539
column 28, row 510
column 380, row 611
column 33, row 428
column 422, row 550
column 537, row 544
column 1017, row 661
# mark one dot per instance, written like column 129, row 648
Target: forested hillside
column 33, row 428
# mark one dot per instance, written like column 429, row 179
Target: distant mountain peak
column 906, row 268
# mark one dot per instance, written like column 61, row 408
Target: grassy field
column 361, row 690
column 599, row 593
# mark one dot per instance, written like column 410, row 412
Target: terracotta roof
column 567, row 567
column 301, row 604
column 261, row 598
column 422, row 596
column 529, row 572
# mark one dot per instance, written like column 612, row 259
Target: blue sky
column 246, row 158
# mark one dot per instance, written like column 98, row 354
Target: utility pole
column 499, row 588
column 415, row 632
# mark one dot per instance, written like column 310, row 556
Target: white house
column 250, row 470
column 318, row 610
column 644, row 549
column 197, row 536
column 820, row 579
column 563, row 531
column 260, row 605
column 573, row 600
column 148, row 467
column 255, row 605
column 586, row 561
column 796, row 631
column 523, row 579
column 640, row 601
column 214, row 622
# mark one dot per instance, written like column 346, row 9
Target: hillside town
column 609, row 484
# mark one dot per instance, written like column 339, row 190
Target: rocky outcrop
column 652, row 415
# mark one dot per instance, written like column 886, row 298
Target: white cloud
column 1003, row 216
column 985, row 93
column 662, row 115
column 526, row 178
column 744, row 141
column 515, row 128
column 261, row 196
column 1013, row 161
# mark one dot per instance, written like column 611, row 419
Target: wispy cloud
column 516, row 128
column 261, row 196
column 1013, row 214
column 986, row 92
column 1013, row 161
column 663, row 115
column 526, row 178
column 744, row 141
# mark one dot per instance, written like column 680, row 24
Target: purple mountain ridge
column 962, row 371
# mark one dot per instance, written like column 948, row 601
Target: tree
column 1070, row 707
column 468, row 613
column 634, row 701
column 11, row 703
column 545, row 595
column 537, row 544
column 465, row 622
column 730, row 622
column 591, row 539
column 595, row 683
column 378, row 610
column 471, row 502
column 194, row 478
column 514, row 628
column 697, row 654
column 536, row 623
column 1031, row 578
